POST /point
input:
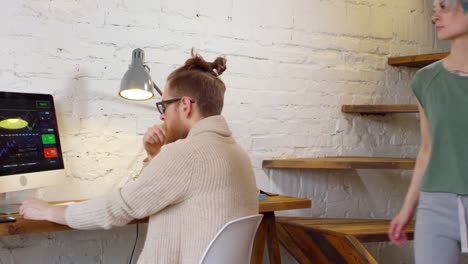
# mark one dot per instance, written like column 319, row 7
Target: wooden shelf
column 379, row 109
column 417, row 61
column 341, row 163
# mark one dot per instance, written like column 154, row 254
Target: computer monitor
column 30, row 150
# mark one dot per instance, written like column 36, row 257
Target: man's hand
column 35, row 209
column 154, row 139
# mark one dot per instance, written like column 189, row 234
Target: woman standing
column 440, row 178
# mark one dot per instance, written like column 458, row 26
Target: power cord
column 134, row 245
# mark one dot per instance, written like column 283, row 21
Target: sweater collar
column 212, row 124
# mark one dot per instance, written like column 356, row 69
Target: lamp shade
column 137, row 84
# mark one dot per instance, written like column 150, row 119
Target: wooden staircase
column 340, row 240
column 332, row 240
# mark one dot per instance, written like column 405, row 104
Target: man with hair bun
column 196, row 177
column 438, row 192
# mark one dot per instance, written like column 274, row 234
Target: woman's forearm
column 412, row 196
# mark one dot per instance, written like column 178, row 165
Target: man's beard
column 174, row 132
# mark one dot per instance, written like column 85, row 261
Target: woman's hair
column 199, row 80
column 449, row 3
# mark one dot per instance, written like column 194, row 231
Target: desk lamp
column 137, row 84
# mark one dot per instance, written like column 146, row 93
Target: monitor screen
column 29, row 137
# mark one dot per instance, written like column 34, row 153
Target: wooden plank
column 312, row 246
column 341, row 163
column 22, row 226
column 352, row 251
column 288, row 242
column 270, row 204
column 332, row 240
column 365, row 230
column 379, row 109
column 361, row 250
column 300, row 245
column 417, row 61
column 281, row 203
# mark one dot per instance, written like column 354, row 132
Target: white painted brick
column 381, row 20
column 266, row 36
column 271, row 142
column 290, row 67
column 374, row 46
column 315, row 41
column 314, row 16
column 254, row 13
column 357, row 20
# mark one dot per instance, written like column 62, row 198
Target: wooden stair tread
column 417, row 61
column 341, row 163
column 365, row 230
column 379, row 109
column 332, row 240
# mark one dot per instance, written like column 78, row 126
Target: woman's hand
column 396, row 231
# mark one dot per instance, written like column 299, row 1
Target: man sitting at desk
column 190, row 187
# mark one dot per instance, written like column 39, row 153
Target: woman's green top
column 444, row 97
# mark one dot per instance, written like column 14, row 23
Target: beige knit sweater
column 189, row 190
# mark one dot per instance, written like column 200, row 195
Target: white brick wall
column 291, row 64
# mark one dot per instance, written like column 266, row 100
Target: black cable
column 134, row 246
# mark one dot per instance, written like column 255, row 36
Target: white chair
column 233, row 242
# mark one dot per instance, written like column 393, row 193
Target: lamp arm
column 154, row 85
column 157, row 89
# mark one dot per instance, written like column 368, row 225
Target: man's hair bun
column 196, row 62
column 219, row 65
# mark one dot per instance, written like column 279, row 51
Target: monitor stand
column 8, row 209
column 8, row 206
column 6, row 212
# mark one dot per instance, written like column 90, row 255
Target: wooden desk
column 266, row 231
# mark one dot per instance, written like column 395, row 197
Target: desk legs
column 272, row 238
column 266, row 230
column 259, row 244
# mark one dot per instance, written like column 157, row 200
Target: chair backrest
column 233, row 242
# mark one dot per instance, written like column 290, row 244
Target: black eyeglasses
column 162, row 104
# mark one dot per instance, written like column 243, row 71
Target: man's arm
column 163, row 182
column 35, row 209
